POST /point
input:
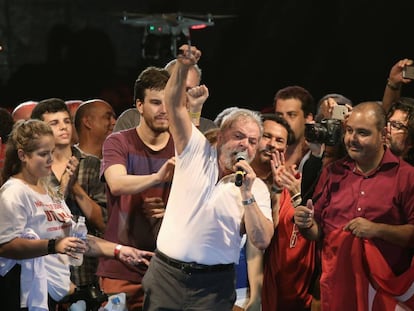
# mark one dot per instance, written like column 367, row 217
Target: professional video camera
column 328, row 132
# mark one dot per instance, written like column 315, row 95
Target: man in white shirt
column 206, row 215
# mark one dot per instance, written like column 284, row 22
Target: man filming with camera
column 363, row 210
column 325, row 140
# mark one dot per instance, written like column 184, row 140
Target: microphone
column 240, row 172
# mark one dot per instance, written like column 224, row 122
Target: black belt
column 192, row 267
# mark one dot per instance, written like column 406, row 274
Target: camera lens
column 315, row 133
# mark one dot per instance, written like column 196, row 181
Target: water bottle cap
column 116, row 300
column 81, row 219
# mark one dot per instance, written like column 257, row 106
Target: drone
column 172, row 25
column 168, row 23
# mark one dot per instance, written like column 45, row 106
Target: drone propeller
column 188, row 14
column 210, row 16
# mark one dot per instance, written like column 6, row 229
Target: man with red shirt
column 363, row 204
column 289, row 260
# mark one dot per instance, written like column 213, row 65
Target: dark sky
column 79, row 49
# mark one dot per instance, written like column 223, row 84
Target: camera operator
column 325, row 140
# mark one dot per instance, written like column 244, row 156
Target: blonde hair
column 25, row 136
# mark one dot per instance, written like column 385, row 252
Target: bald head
column 372, row 109
column 88, row 108
column 94, row 121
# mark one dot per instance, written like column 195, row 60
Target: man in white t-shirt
column 206, row 214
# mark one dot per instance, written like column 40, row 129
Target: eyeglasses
column 397, row 125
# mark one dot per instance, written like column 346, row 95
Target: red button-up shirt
column 384, row 196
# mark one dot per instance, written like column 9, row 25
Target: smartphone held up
column 408, row 72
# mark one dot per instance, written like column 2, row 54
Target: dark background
column 78, row 49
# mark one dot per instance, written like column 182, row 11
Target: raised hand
column 290, row 178
column 277, row 163
column 248, row 178
column 189, row 55
column 196, row 97
column 68, row 177
column 395, row 76
column 166, row 171
column 304, row 215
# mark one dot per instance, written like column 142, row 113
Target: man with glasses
column 400, row 136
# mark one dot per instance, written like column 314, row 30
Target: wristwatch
column 248, row 201
column 51, row 246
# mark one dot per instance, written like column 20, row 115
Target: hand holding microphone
column 240, row 172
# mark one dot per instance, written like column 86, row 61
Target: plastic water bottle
column 79, row 231
column 116, row 303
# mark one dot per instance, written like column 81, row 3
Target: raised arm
column 395, row 80
column 175, row 97
column 307, row 225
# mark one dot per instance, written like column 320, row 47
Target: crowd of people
column 307, row 208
